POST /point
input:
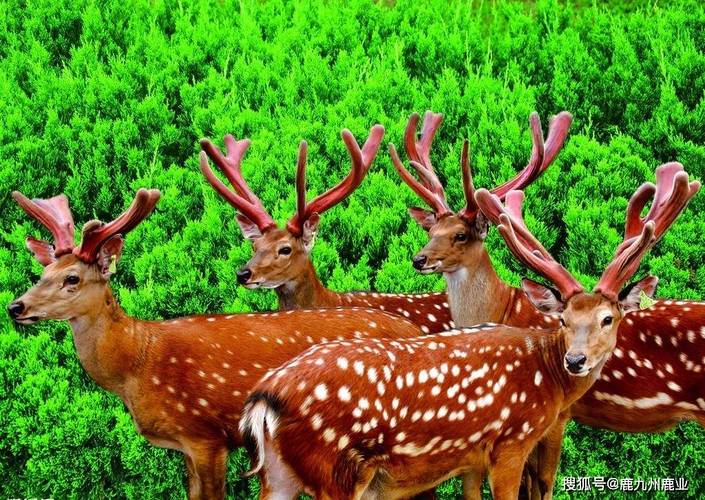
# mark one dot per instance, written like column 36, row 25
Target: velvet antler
column 522, row 243
column 55, row 215
column 243, row 199
column 95, row 232
column 430, row 188
column 361, row 160
column 542, row 155
column 671, row 194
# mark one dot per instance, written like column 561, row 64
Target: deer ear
column 249, row 229
column 631, row 296
column 309, row 232
column 481, row 225
column 544, row 298
column 425, row 218
column 109, row 255
column 43, row 251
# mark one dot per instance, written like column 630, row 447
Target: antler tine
column 420, row 150
column 437, row 203
column 55, row 215
column 523, row 245
column 673, row 192
column 557, row 133
column 95, row 233
column 671, row 195
column 301, row 178
column 534, row 167
column 230, row 165
column 361, row 160
column 471, row 208
column 253, row 211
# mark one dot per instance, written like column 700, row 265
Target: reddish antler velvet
column 95, row 232
column 430, row 188
column 55, row 215
column 361, row 160
column 671, row 195
column 522, row 243
column 244, row 200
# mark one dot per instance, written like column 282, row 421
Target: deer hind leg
column 207, row 466
column 548, row 453
column 194, row 485
column 506, row 470
column 278, row 480
column 472, row 485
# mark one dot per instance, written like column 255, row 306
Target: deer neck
column 108, row 344
column 476, row 294
column 306, row 291
column 552, row 350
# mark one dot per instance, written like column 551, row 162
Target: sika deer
column 644, row 388
column 184, row 380
column 394, row 417
column 456, row 247
column 281, row 259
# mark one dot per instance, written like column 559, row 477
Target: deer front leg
column 548, row 453
column 206, row 466
column 472, row 485
column 506, row 470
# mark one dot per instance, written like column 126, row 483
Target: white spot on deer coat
column 329, row 435
column 321, row 392
column 537, row 378
column 344, row 394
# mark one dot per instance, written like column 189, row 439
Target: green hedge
column 98, row 98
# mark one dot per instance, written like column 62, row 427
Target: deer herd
column 374, row 395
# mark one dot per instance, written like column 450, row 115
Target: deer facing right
column 390, row 418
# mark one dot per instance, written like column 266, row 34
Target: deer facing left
column 184, row 381
column 282, row 256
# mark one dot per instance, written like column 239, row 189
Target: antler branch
column 671, row 195
column 55, row 215
column 243, row 199
column 542, row 155
column 429, row 188
column 522, row 243
column 361, row 160
column 95, row 233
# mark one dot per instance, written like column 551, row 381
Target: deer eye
column 284, row 250
column 461, row 237
column 72, row 279
column 606, row 321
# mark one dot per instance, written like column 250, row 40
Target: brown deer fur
column 412, row 413
column 184, row 381
column 281, row 259
column 648, row 386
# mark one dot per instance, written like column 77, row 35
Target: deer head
column 457, row 238
column 75, row 278
column 589, row 321
column 282, row 254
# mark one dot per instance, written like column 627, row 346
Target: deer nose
column 243, row 275
column 15, row 309
column 419, row 261
column 575, row 362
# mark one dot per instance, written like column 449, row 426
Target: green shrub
column 101, row 97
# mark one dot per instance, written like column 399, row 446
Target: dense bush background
column 98, row 98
